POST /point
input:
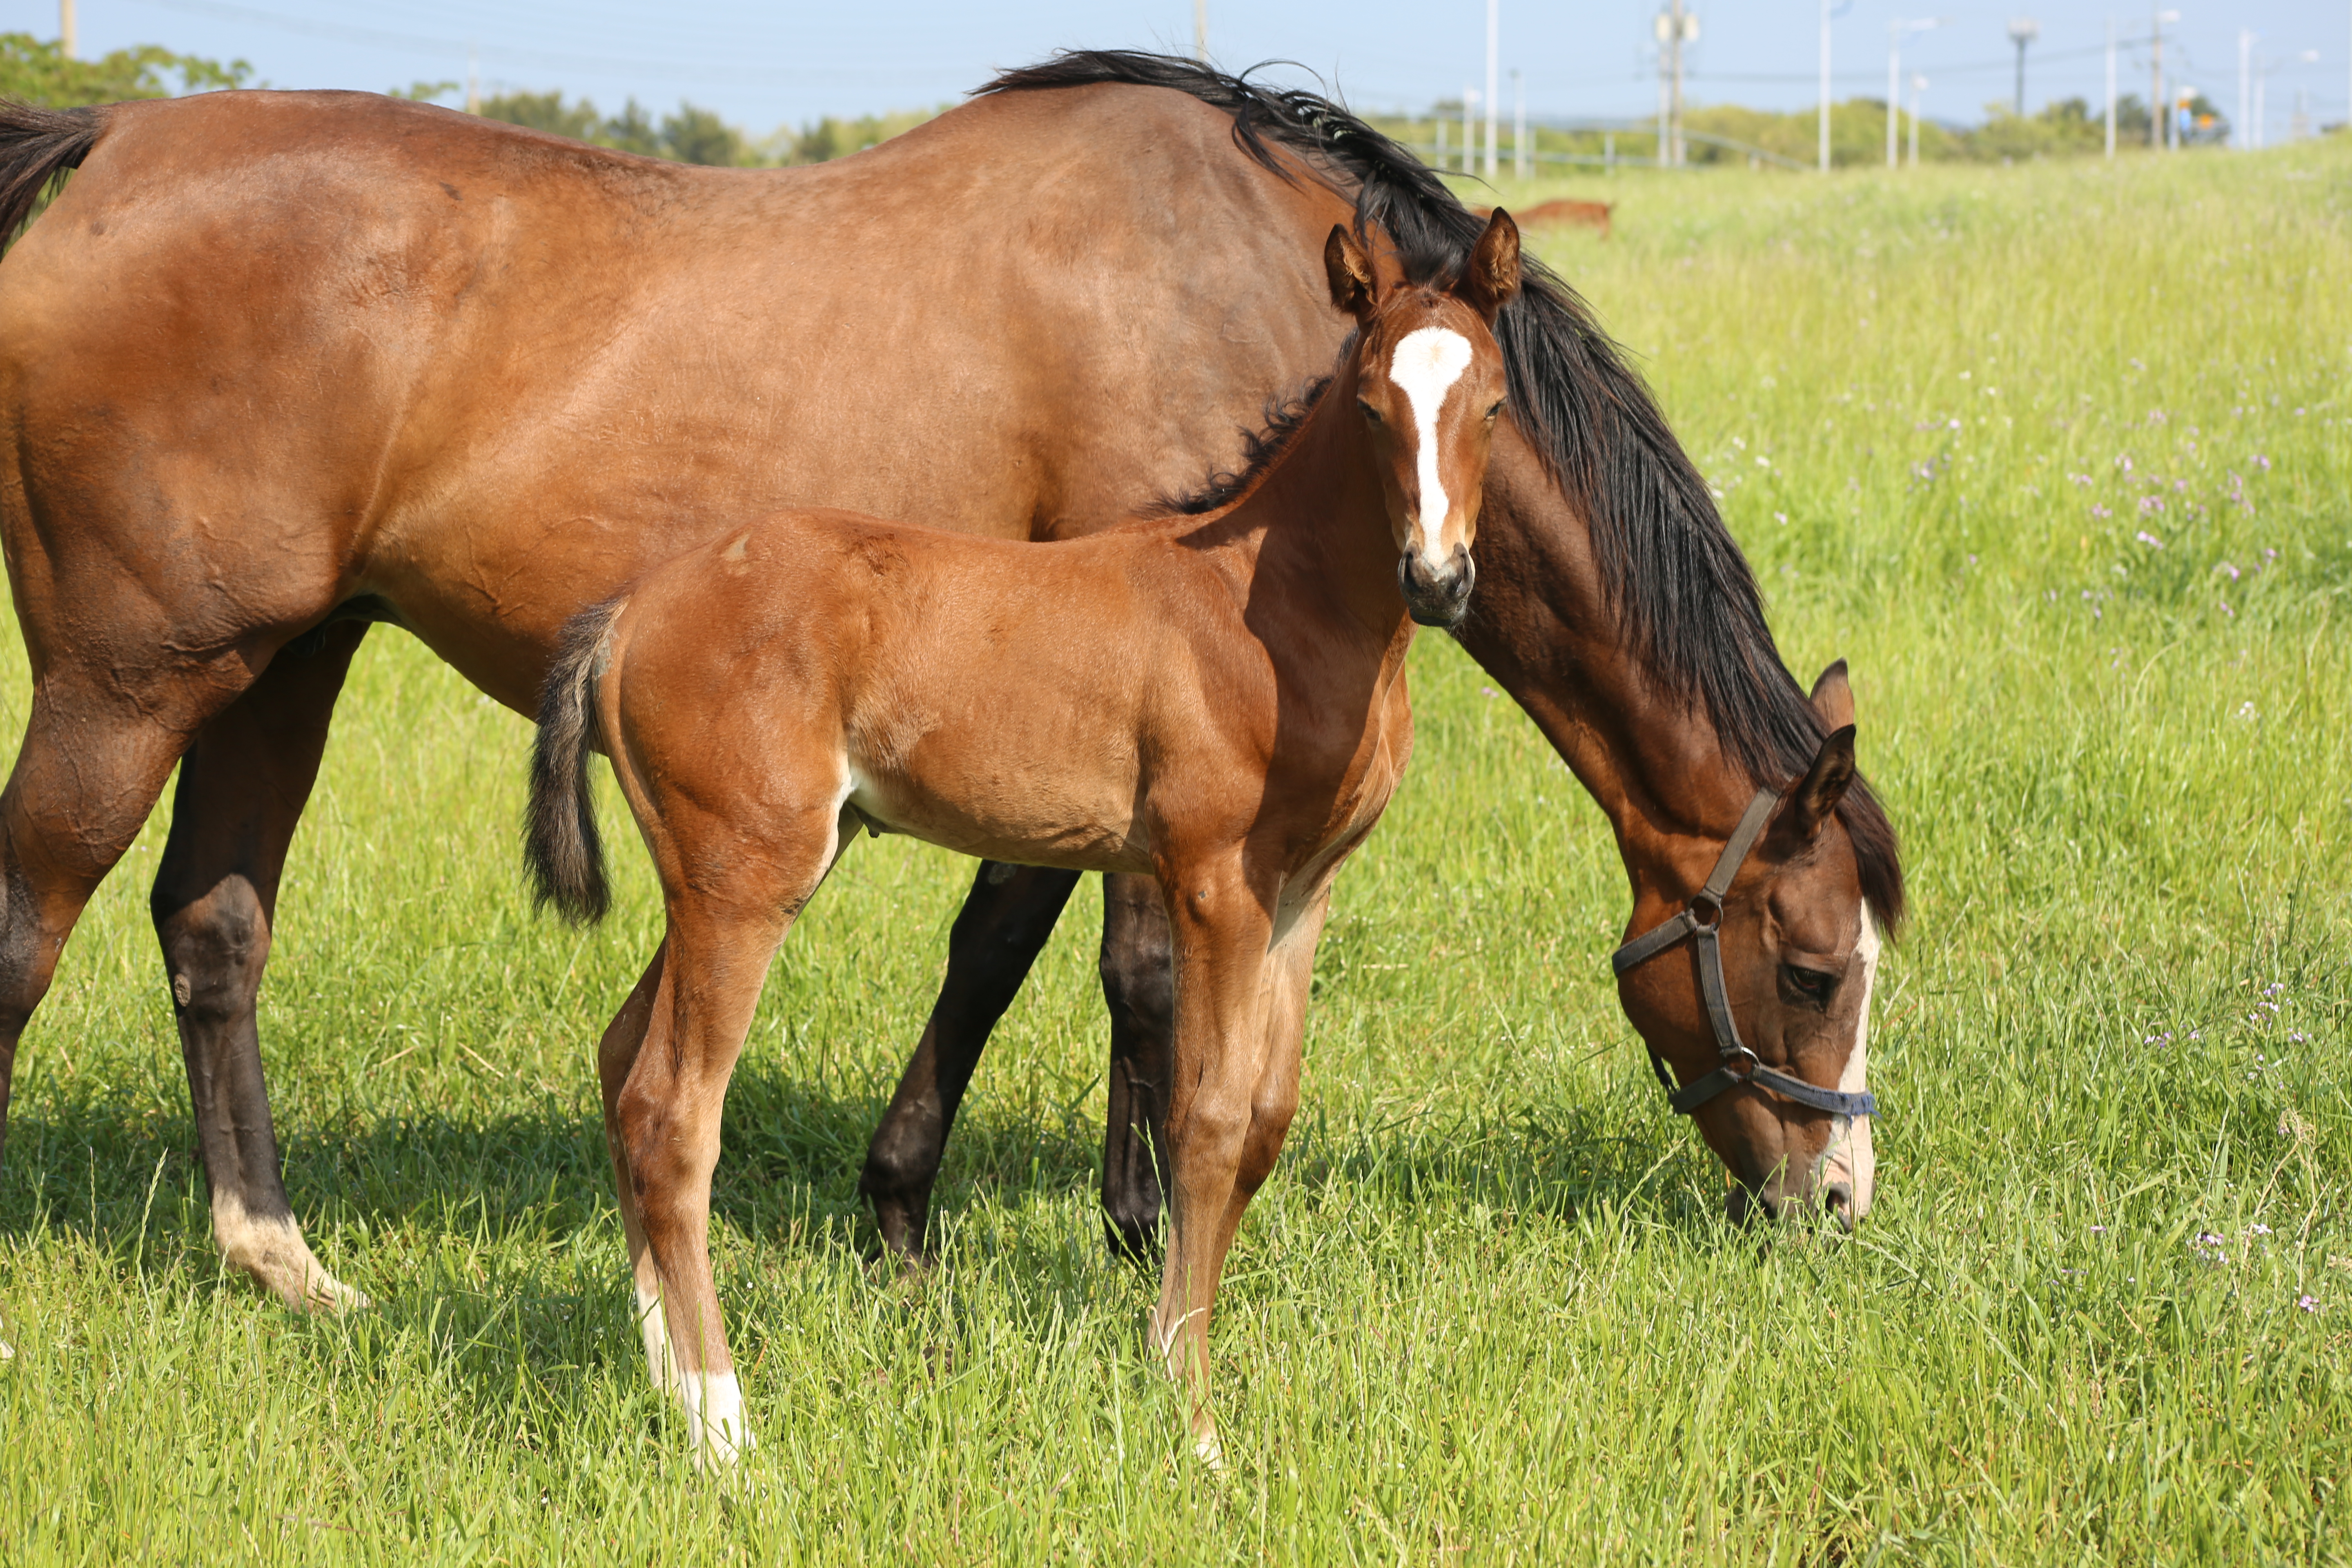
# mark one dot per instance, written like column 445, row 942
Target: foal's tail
column 559, row 841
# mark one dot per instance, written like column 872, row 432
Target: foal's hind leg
column 242, row 788
column 697, row 1001
column 616, row 1057
column 1003, row 926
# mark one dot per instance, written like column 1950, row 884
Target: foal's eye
column 1368, row 411
column 1491, row 413
column 1812, row 985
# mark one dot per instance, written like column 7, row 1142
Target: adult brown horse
column 274, row 366
column 1213, row 699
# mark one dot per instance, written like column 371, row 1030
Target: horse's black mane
column 1667, row 563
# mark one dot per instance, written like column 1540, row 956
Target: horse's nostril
column 1838, row 1199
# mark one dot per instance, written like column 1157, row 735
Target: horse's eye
column 1368, row 412
column 1491, row 413
column 1811, row 985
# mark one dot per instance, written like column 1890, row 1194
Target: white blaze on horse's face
column 1849, row 1158
column 1425, row 368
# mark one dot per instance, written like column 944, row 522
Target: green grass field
column 2060, row 456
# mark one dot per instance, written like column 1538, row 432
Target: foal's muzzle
column 1437, row 596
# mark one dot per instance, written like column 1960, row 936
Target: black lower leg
column 1003, row 925
column 1138, row 987
column 242, row 787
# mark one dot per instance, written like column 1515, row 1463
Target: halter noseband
column 1740, row 1065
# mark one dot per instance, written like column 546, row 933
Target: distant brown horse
column 1214, row 700
column 1561, row 212
column 275, row 366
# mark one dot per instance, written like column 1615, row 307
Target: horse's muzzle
column 1437, row 596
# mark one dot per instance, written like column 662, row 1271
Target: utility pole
column 1518, row 125
column 1825, row 87
column 2245, row 88
column 473, row 81
column 1896, row 31
column 1200, row 31
column 1893, row 87
column 2022, row 32
column 2155, row 115
column 1918, row 87
column 2111, row 88
column 1666, row 109
column 66, row 27
column 1676, row 27
column 1469, row 129
column 1494, row 98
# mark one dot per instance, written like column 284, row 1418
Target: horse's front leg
column 1138, row 990
column 1222, row 934
column 1003, row 925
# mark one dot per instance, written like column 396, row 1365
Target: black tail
column 559, row 841
column 37, row 145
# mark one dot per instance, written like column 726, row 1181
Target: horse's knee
column 216, row 942
column 1136, row 962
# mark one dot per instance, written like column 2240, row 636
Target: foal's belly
column 1037, row 815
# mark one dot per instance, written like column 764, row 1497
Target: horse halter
column 1701, row 919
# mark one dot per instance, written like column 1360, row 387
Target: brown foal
column 1217, row 701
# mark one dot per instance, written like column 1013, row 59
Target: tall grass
column 2058, row 456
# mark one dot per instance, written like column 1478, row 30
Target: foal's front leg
column 1222, row 992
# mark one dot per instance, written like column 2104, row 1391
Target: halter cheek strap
column 1701, row 919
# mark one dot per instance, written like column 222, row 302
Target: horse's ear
column 1350, row 271
column 1833, row 697
column 1824, row 784
column 1492, row 277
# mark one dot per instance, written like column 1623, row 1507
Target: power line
column 380, row 38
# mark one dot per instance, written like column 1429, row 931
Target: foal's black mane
column 1668, row 566
column 1285, row 416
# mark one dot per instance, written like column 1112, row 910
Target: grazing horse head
column 1429, row 383
column 1782, row 924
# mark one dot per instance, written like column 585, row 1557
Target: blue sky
column 765, row 65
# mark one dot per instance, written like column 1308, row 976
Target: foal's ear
column 1492, row 277
column 1833, row 698
column 1824, row 784
column 1350, row 271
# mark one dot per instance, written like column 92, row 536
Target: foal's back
column 995, row 696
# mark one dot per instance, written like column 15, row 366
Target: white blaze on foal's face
column 1425, row 368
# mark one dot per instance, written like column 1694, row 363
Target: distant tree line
column 35, row 70
column 692, row 135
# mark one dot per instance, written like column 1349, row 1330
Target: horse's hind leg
column 242, row 787
column 997, row 935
